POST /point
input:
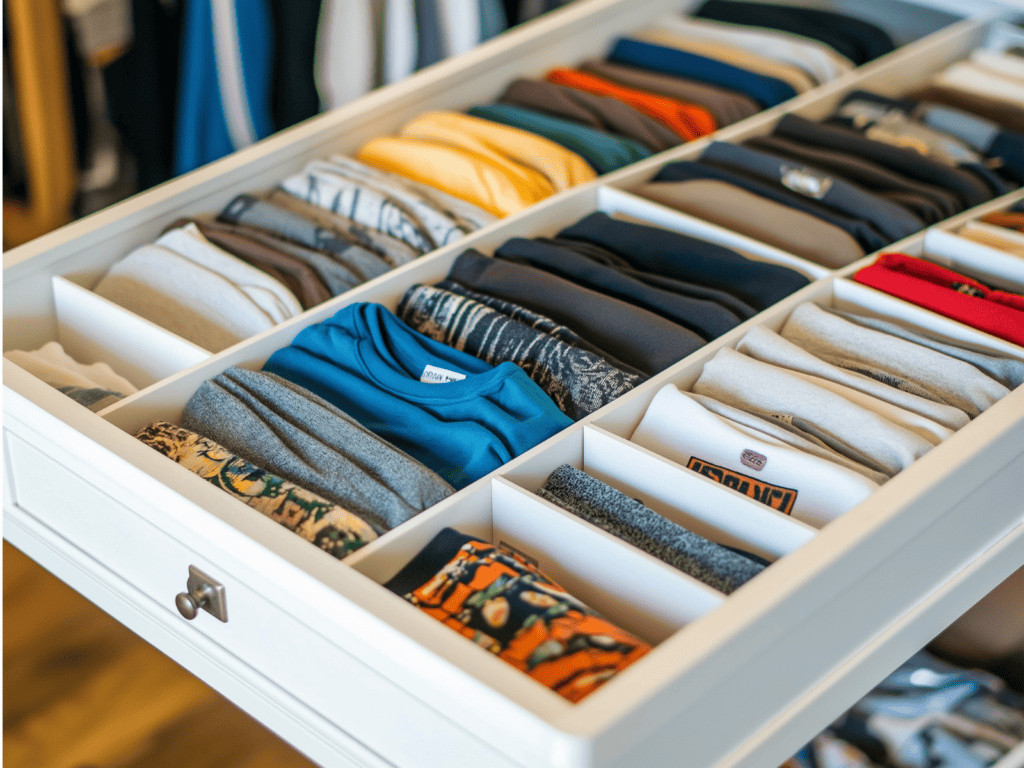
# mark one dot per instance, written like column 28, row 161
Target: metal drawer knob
column 203, row 592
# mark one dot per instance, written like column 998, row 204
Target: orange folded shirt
column 690, row 121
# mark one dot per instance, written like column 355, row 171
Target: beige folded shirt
column 999, row 238
column 758, row 217
column 729, row 54
column 970, row 78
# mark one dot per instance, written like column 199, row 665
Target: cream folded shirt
column 811, row 489
column 971, row 78
column 729, row 54
column 57, row 368
column 817, row 59
column 266, row 291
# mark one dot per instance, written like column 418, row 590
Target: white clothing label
column 434, row 375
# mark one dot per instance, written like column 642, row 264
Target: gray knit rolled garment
column 579, row 382
column 628, row 519
column 879, row 355
column 292, row 433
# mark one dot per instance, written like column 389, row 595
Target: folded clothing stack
column 878, row 170
column 926, row 714
column 297, row 459
column 266, row 259
column 95, row 386
column 495, row 598
column 675, row 81
column 811, row 420
column 594, row 311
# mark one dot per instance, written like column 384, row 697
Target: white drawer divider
column 685, row 497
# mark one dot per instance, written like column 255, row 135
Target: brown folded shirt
column 297, row 276
column 1008, row 219
column 726, row 106
column 741, row 211
column 601, row 112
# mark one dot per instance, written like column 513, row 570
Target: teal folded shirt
column 406, row 388
column 603, row 151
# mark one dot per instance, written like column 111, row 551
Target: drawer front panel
column 277, row 646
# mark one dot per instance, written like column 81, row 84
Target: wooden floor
column 82, row 691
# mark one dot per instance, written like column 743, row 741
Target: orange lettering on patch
column 774, row 496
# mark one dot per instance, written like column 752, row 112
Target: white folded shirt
column 183, row 297
column 811, row 489
column 58, row 369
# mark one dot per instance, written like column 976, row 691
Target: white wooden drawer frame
column 351, row 674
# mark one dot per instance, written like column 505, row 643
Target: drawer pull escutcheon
column 203, row 592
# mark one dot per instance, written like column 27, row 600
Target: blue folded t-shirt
column 456, row 414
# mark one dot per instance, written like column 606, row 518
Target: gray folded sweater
column 289, row 431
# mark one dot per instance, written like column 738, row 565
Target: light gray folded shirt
column 769, row 347
column 884, row 357
column 291, row 432
column 773, row 392
column 1006, row 370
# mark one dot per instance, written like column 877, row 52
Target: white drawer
column 352, row 674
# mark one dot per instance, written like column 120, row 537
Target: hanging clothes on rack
column 224, row 101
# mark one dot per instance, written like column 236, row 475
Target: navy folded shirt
column 766, row 91
column 653, row 249
column 702, row 316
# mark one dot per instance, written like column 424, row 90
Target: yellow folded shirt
column 473, row 178
column 737, row 57
column 561, row 167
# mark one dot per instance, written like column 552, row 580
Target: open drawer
column 351, row 674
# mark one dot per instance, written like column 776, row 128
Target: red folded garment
column 949, row 293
